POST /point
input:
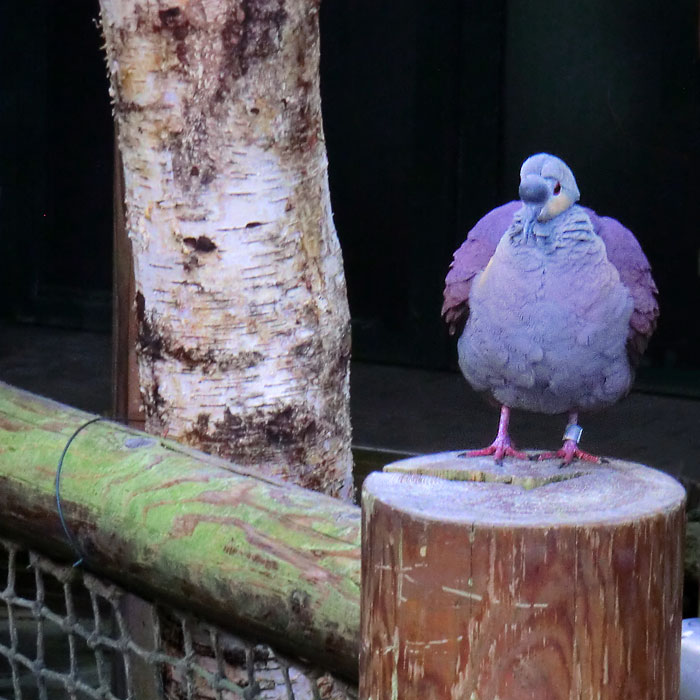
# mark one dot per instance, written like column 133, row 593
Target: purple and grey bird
column 557, row 306
column 690, row 659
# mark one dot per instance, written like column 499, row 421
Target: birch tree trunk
column 243, row 323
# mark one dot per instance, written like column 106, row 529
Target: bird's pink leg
column 569, row 451
column 502, row 446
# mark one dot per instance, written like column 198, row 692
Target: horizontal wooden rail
column 272, row 561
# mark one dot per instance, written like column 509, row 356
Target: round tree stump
column 526, row 581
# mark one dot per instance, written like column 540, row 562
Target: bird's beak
column 533, row 190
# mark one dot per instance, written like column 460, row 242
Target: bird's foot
column 499, row 448
column 502, row 446
column 568, row 452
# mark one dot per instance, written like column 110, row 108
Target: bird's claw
column 568, row 452
column 499, row 449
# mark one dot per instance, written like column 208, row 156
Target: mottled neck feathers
column 571, row 226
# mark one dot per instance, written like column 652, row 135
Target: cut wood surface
column 521, row 582
column 272, row 561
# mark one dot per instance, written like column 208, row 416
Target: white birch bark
column 241, row 303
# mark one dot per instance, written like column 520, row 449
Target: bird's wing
column 470, row 259
column 625, row 253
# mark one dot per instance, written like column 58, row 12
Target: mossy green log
column 274, row 562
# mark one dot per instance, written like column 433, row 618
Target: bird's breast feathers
column 549, row 319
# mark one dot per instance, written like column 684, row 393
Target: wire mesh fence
column 68, row 634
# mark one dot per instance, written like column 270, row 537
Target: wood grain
column 481, row 589
column 250, row 553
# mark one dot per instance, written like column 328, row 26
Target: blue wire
column 70, row 537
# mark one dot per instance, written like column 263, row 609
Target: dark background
column 429, row 110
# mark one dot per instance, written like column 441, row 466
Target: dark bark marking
column 203, row 244
column 262, row 28
column 124, row 107
column 304, row 116
column 208, row 360
column 150, row 340
column 154, row 404
column 140, row 306
column 169, row 17
column 181, row 51
column 175, row 21
column 252, row 31
column 304, row 122
column 202, row 423
column 307, row 348
column 333, row 380
column 208, row 176
column 149, row 343
column 231, row 34
column 156, row 343
column 190, row 263
column 192, row 165
column 255, row 436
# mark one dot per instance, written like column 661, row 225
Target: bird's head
column 548, row 185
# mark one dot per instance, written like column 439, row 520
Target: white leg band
column 573, row 432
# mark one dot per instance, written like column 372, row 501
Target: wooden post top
column 451, row 487
column 521, row 581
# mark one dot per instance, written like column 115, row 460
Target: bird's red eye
column 557, row 188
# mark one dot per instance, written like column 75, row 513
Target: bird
column 555, row 306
